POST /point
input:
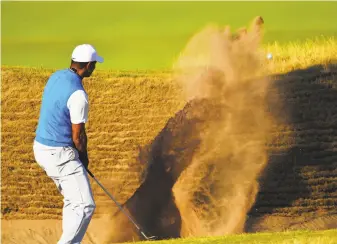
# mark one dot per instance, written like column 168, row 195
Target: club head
column 151, row 238
column 148, row 238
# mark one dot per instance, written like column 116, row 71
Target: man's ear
column 91, row 65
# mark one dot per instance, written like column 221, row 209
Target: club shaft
column 118, row 205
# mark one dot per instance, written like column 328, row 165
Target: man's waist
column 53, row 143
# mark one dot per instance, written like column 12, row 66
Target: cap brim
column 99, row 59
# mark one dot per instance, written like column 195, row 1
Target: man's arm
column 78, row 108
column 80, row 141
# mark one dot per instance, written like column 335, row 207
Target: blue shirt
column 54, row 126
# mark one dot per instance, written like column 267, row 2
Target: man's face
column 89, row 69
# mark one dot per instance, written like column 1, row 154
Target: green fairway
column 294, row 237
column 143, row 35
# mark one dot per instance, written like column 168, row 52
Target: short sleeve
column 78, row 107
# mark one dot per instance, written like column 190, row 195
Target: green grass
column 144, row 35
column 291, row 237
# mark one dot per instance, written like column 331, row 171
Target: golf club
column 122, row 209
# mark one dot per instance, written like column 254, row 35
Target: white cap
column 85, row 53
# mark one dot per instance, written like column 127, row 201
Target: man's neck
column 73, row 69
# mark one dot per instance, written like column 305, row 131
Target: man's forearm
column 81, row 146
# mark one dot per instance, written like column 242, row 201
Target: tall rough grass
column 299, row 55
column 127, row 110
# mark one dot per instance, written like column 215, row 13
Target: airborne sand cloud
column 202, row 168
column 215, row 192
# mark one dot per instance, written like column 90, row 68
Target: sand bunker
column 202, row 168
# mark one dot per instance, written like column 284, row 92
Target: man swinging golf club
column 60, row 145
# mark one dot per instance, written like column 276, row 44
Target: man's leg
column 62, row 165
column 79, row 204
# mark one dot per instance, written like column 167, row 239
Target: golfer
column 60, row 145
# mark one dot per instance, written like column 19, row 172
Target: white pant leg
column 66, row 170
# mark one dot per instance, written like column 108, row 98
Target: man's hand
column 80, row 141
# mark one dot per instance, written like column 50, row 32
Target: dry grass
column 127, row 110
column 300, row 55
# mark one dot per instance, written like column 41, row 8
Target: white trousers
column 63, row 166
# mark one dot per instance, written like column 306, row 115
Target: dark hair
column 81, row 65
